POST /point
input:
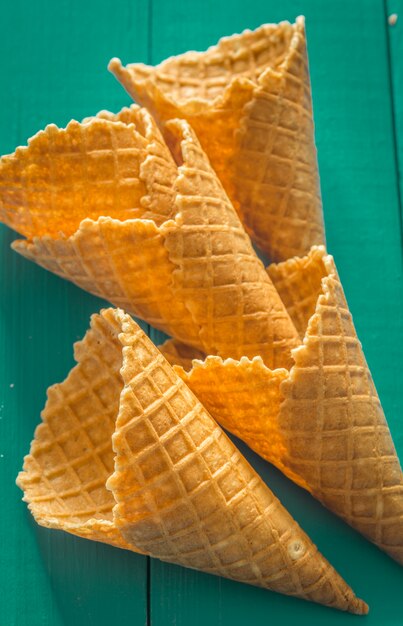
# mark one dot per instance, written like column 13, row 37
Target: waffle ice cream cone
column 253, row 89
column 321, row 422
column 126, row 454
column 159, row 239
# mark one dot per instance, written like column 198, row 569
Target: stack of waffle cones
column 254, row 90
column 147, row 208
column 104, row 204
column 321, row 422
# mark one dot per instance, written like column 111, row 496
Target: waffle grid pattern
column 244, row 398
column 336, row 432
column 158, row 170
column 110, row 259
column 82, row 171
column 276, row 168
column 264, row 152
column 299, row 283
column 202, row 504
column 223, row 282
column 71, row 457
column 205, row 75
column 160, row 423
column 330, row 435
column 205, row 281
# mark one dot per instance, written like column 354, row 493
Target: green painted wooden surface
column 53, row 59
column 53, row 68
column 395, row 8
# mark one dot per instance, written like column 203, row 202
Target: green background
column 53, row 68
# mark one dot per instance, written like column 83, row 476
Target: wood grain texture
column 54, row 68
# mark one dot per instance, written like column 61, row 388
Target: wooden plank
column 349, row 68
column 394, row 13
column 53, row 68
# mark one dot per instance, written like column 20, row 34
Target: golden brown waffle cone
column 218, row 274
column 71, row 456
column 321, row 423
column 101, row 167
column 249, row 101
column 299, row 283
column 177, row 489
column 181, row 354
column 195, row 276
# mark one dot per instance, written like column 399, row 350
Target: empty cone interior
column 205, row 76
column 71, row 456
column 87, row 170
column 179, row 258
column 299, row 283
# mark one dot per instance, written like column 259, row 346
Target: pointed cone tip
column 359, row 607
